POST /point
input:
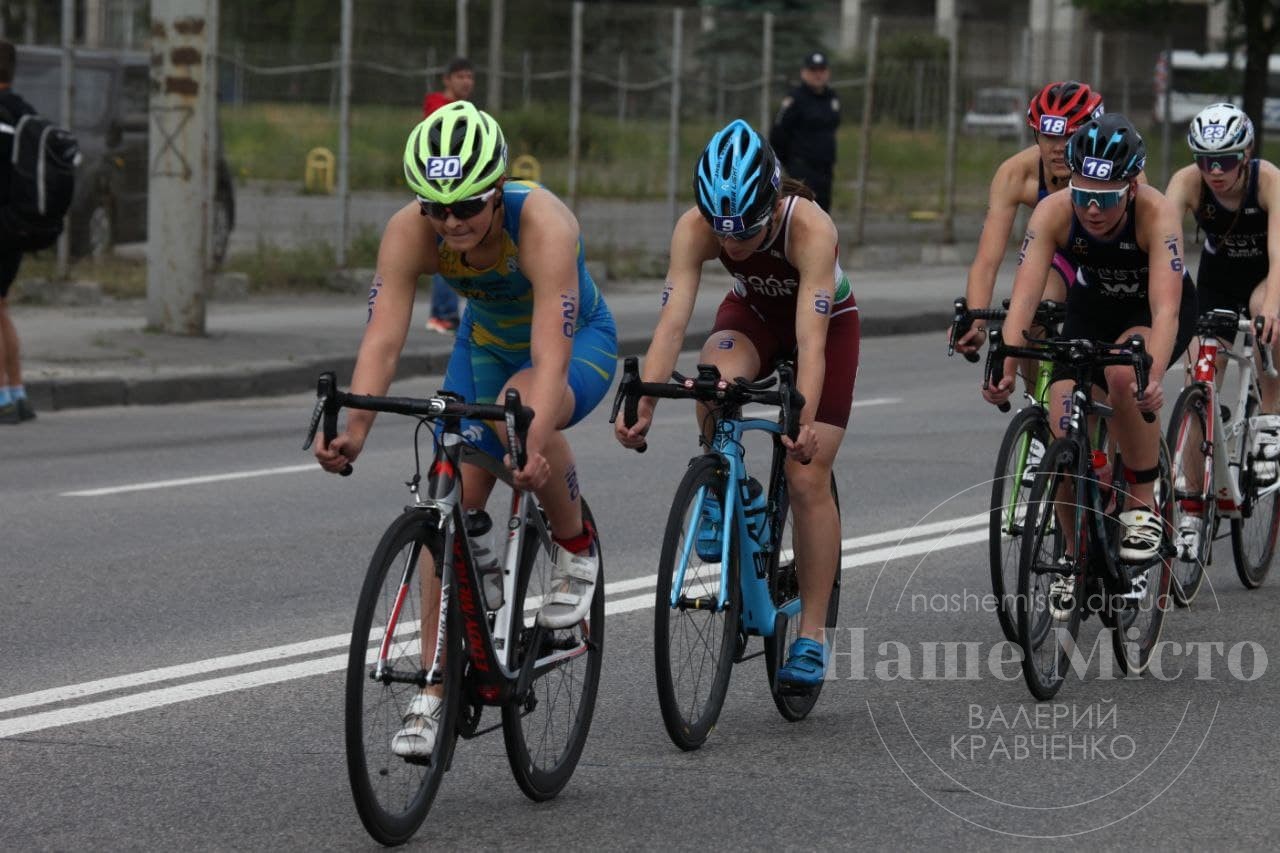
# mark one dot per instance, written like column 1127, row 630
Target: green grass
column 271, row 141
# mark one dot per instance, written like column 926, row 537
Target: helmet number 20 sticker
column 1096, row 167
column 444, row 167
column 1053, row 125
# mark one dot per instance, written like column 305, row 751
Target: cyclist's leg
column 740, row 344
column 816, row 529
column 813, row 508
column 1060, row 403
column 1061, row 274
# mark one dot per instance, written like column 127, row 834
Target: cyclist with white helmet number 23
column 1231, row 194
column 1126, row 240
column 534, row 321
column 1053, row 114
column 790, row 297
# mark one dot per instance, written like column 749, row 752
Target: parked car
column 111, row 123
column 996, row 110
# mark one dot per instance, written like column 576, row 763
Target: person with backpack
column 14, row 405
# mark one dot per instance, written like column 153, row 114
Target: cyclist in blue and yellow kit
column 534, row 321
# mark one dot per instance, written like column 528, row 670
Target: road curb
column 267, row 379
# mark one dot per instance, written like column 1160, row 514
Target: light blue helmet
column 737, row 179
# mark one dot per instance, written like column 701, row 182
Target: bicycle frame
column 1223, row 437
column 759, row 614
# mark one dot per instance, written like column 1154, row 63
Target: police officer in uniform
column 804, row 133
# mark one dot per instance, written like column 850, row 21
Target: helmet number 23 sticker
column 444, row 167
column 1053, row 125
column 1096, row 167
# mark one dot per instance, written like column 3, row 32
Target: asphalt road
column 152, row 697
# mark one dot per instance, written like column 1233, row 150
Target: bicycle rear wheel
column 693, row 638
column 1253, row 534
column 1188, row 427
column 794, row 706
column 393, row 794
column 1050, row 588
column 1138, row 623
column 1023, row 447
column 546, row 729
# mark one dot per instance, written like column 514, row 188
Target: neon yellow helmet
column 455, row 153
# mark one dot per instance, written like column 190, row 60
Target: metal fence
column 571, row 76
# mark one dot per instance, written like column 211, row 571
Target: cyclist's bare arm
column 812, row 251
column 692, row 245
column 407, row 251
column 1160, row 234
column 1184, row 189
column 1046, row 230
column 1014, row 184
column 1269, row 200
column 549, row 258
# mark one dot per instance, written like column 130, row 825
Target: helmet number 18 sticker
column 1096, row 167
column 1053, row 125
column 444, row 167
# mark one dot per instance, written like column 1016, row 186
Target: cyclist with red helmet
column 1056, row 112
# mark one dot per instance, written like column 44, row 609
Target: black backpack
column 42, row 180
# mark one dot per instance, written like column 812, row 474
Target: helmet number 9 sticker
column 1096, row 167
column 1053, row 125
column 444, row 167
column 729, row 224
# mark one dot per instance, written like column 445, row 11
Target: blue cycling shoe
column 806, row 664
column 708, row 541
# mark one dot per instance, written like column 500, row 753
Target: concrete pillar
column 1216, row 26
column 95, row 16
column 944, row 18
column 184, row 42
column 850, row 24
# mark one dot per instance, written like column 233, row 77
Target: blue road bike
column 721, row 583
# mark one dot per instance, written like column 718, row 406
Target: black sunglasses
column 464, row 208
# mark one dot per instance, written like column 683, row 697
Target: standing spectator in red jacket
column 459, row 80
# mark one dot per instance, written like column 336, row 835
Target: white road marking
column 190, row 481
column 953, row 536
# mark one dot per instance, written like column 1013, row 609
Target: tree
column 1256, row 27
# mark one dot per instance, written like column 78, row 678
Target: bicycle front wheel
column 694, row 638
column 1253, row 534
column 546, row 729
column 1187, row 446
column 393, row 794
column 1050, row 584
column 794, row 705
column 1023, row 447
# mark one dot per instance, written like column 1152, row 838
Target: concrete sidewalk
column 101, row 355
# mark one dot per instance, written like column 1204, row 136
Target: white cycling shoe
column 573, row 586
column 1142, row 533
column 421, row 721
column 1266, row 452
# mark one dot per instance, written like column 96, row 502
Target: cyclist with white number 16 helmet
column 1125, row 239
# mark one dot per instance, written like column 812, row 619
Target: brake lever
column 630, row 376
column 511, row 416
column 1264, row 350
column 960, row 326
column 1140, row 365
column 326, row 412
column 994, row 365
